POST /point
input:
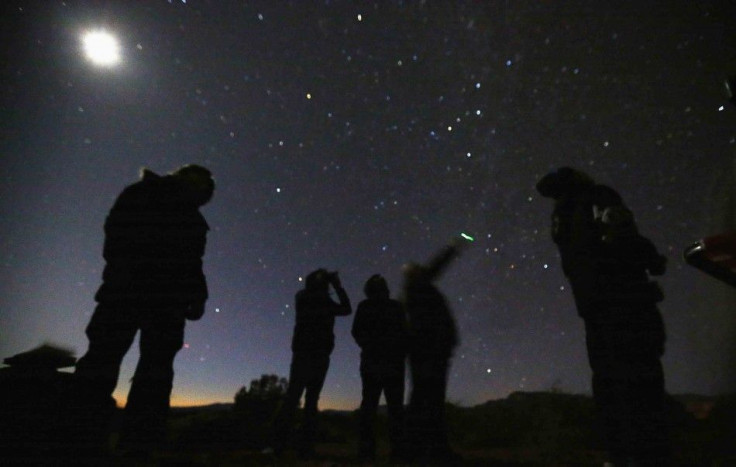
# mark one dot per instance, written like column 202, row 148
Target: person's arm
column 343, row 308
column 443, row 258
column 199, row 292
column 622, row 236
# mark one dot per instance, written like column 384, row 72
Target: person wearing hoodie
column 379, row 329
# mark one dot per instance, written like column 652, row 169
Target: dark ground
column 525, row 429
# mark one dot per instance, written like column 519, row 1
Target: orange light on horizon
column 181, row 397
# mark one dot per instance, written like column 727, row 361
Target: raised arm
column 343, row 307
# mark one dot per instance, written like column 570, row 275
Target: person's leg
column 418, row 412
column 111, row 332
column 646, row 392
column 636, row 399
column 318, row 372
column 605, row 338
column 284, row 424
column 436, row 394
column 369, row 404
column 162, row 336
column 610, row 396
column 649, row 428
column 394, row 381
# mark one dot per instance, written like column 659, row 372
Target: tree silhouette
column 256, row 407
column 265, row 388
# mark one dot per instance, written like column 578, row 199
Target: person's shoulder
column 373, row 305
column 311, row 297
column 133, row 195
column 148, row 182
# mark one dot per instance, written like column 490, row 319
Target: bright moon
column 101, row 48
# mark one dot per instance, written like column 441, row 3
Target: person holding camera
column 311, row 347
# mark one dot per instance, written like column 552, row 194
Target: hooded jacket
column 380, row 329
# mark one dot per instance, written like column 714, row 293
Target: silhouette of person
column 379, row 328
column 608, row 264
column 311, row 347
column 152, row 282
column 432, row 339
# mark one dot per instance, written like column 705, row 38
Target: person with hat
column 152, row 283
column 609, row 264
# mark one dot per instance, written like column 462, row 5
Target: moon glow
column 101, row 48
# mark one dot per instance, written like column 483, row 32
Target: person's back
column 602, row 253
column 432, row 331
column 315, row 321
column 154, row 243
column 380, row 328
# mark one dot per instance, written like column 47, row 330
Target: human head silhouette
column 376, row 287
column 563, row 181
column 317, row 281
column 415, row 274
column 199, row 182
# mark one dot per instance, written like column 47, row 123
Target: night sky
column 359, row 136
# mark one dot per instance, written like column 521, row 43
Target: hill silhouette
column 525, row 428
